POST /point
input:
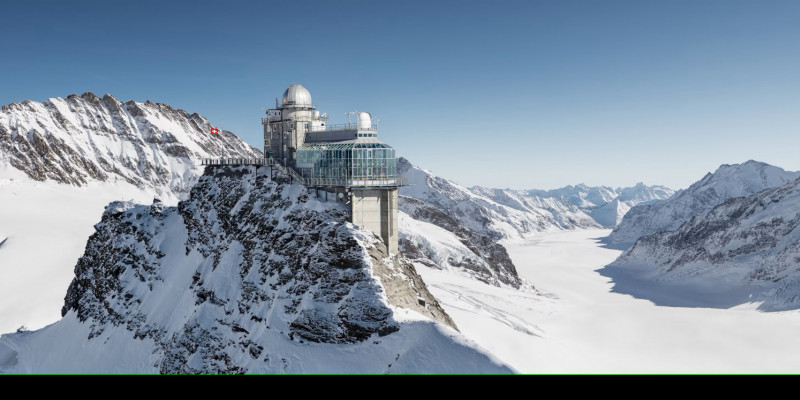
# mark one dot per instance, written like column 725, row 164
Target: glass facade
column 348, row 163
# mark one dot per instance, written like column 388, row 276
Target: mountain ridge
column 247, row 275
column 604, row 204
column 729, row 180
column 62, row 161
column 78, row 139
column 744, row 250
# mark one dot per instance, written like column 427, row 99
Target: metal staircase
column 291, row 173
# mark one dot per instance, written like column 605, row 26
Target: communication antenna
column 349, row 121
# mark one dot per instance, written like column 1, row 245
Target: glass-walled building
column 348, row 164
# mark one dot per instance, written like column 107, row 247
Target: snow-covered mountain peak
column 745, row 178
column 729, row 180
column 85, row 138
column 745, row 249
column 604, row 204
column 246, row 275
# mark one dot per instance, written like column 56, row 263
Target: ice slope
column 557, row 212
column 443, row 249
column 611, row 213
column 245, row 276
column 581, row 195
column 477, row 218
column 726, row 182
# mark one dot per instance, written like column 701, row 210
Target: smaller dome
column 296, row 95
column 364, row 121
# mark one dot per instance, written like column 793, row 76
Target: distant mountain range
column 82, row 139
column 605, row 205
column 469, row 222
column 726, row 182
column 729, row 239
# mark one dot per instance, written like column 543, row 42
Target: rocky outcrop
column 481, row 256
column 243, row 274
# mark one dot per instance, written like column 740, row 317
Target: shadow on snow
column 642, row 282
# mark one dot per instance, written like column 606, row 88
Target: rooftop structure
column 299, row 137
column 345, row 160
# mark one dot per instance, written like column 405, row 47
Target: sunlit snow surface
column 46, row 226
column 183, row 335
column 578, row 325
column 420, row 346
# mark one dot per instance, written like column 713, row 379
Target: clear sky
column 530, row 94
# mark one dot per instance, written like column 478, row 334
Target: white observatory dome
column 364, row 121
column 297, row 95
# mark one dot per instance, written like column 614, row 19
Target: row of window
column 350, row 163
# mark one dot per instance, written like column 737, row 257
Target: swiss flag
column 214, row 131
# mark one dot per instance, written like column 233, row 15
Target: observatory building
column 345, row 161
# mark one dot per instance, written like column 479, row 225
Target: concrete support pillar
column 375, row 210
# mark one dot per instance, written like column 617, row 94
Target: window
column 349, row 161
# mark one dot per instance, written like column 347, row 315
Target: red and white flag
column 214, row 131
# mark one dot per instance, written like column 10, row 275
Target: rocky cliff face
column 508, row 217
column 432, row 237
column 747, row 247
column 445, row 225
column 246, row 275
column 726, row 182
column 62, row 161
column 85, row 138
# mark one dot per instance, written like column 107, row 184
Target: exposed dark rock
column 263, row 261
column 751, row 242
column 84, row 138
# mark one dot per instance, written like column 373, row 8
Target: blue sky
column 532, row 94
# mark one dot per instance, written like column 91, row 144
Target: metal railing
column 290, row 172
column 351, row 126
column 310, row 181
column 236, row 161
column 355, row 182
column 267, row 118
